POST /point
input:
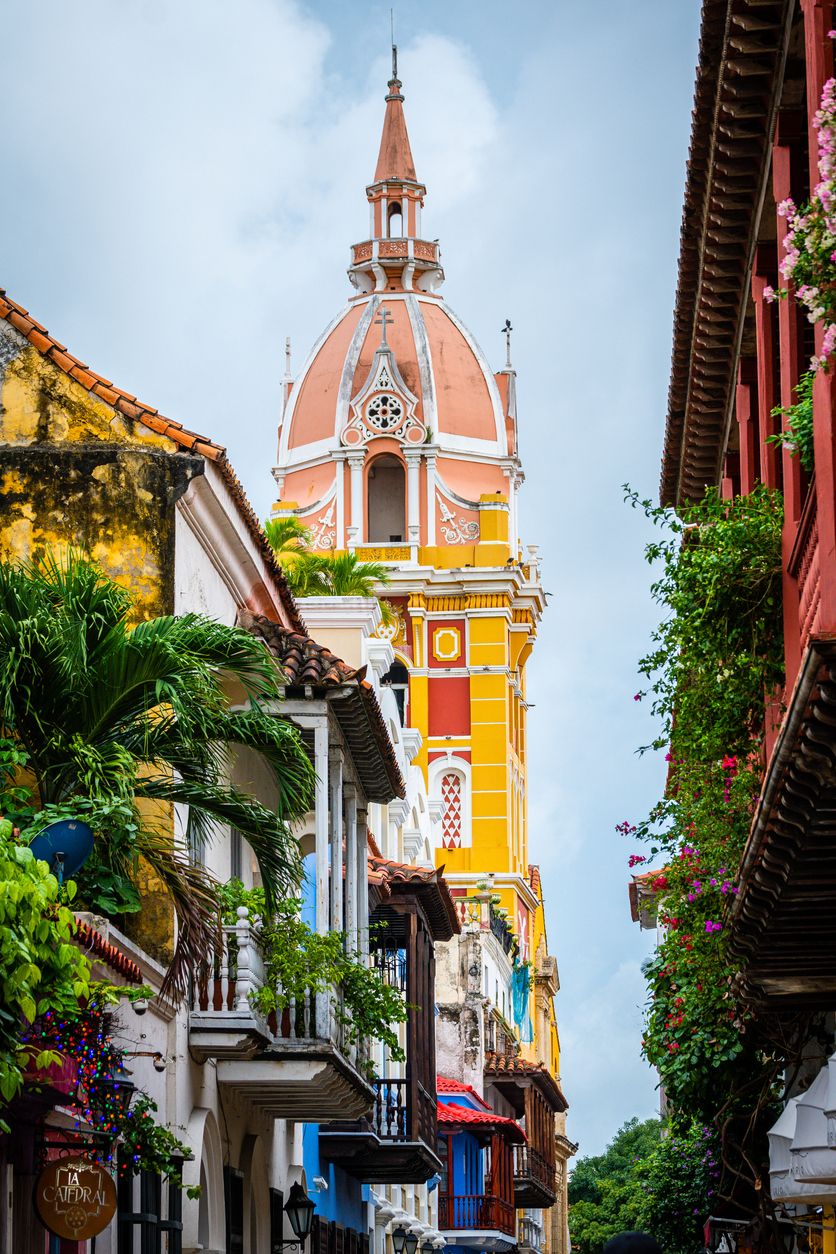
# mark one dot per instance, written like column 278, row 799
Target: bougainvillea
column 714, row 669
column 809, row 261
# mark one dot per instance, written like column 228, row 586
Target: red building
column 738, row 354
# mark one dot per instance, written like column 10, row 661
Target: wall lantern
column 121, row 1089
column 300, row 1212
column 404, row 1242
column 428, row 1248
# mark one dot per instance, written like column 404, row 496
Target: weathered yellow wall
column 75, row 473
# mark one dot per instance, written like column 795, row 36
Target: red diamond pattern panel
column 451, row 824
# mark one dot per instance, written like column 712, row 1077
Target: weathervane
column 394, row 45
column 506, row 330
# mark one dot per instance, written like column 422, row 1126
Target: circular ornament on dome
column 384, row 412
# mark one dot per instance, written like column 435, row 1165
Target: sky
column 181, row 183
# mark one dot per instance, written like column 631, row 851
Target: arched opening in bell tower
column 386, row 488
column 395, row 221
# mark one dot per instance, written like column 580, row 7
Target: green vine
column 797, row 435
column 299, row 961
column 715, row 665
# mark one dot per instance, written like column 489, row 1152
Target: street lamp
column 300, row 1211
column 428, row 1248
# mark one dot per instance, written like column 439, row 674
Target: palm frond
column 274, row 846
column 193, row 893
column 286, row 533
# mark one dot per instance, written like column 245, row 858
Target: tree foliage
column 648, row 1180
column 40, row 968
column 104, row 715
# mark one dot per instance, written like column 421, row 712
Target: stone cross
column 383, row 321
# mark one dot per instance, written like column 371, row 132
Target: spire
column 394, row 161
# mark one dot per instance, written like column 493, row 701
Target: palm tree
column 106, row 715
column 347, row 576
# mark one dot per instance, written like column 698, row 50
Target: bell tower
column 395, row 257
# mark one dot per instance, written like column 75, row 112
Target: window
column 386, row 487
column 397, row 678
column 451, row 823
column 140, row 1210
column 395, row 221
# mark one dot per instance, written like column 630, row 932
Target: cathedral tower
column 399, row 442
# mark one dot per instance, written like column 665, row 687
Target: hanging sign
column 75, row 1198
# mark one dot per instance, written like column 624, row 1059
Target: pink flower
column 711, row 926
column 635, row 859
column 769, row 294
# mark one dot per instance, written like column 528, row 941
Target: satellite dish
column 65, row 845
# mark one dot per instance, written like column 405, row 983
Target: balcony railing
column 395, row 1117
column 475, row 1212
column 534, row 1178
column 529, row 1234
column 225, row 1025
column 805, row 568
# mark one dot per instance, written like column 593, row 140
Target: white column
column 339, row 458
column 412, row 457
column 430, row 455
column 362, row 884
column 336, row 788
column 356, row 457
column 350, row 795
column 321, row 825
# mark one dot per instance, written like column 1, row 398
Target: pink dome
column 456, row 395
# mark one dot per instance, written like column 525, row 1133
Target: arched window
column 397, row 678
column 452, row 787
column 449, row 782
column 387, row 500
column 395, row 221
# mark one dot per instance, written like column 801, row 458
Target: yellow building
column 399, row 442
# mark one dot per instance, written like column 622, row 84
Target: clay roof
column 534, row 880
column 394, row 160
column 735, row 98
column 508, row 1066
column 445, row 1085
column 429, row 885
column 127, row 404
column 306, row 664
column 92, row 942
column 478, row 1121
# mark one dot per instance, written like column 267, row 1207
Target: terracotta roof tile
column 306, row 664
column 511, row 1066
column 449, row 1113
column 126, row 404
column 429, row 884
column 445, row 1085
column 92, row 942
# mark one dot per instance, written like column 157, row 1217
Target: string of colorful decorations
column 128, row 1137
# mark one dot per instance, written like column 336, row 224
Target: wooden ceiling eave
column 780, row 924
column 743, row 47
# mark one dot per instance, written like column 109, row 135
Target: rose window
column 384, row 412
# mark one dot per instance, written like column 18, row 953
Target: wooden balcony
column 804, row 567
column 479, row 1220
column 395, row 1143
column 534, row 1178
column 295, row 1065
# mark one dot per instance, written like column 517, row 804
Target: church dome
column 396, row 427
column 457, row 401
